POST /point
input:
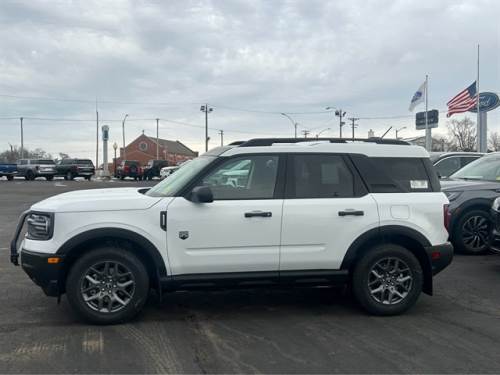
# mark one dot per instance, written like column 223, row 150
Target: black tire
column 69, row 176
column 471, row 233
column 122, row 178
column 10, row 178
column 88, row 178
column 76, row 278
column 49, row 178
column 363, row 275
column 30, row 176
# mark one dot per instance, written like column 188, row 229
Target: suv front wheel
column 387, row 280
column 107, row 286
column 472, row 233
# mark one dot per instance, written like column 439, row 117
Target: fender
column 118, row 233
column 383, row 234
column 468, row 204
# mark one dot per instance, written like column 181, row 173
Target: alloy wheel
column 107, row 286
column 390, row 281
column 475, row 233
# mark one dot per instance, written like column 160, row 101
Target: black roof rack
column 269, row 141
column 236, row 143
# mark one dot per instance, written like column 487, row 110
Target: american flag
column 463, row 101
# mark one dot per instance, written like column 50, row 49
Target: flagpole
column 428, row 137
column 479, row 127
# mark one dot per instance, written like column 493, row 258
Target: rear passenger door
column 326, row 208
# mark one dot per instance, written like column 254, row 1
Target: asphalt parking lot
column 256, row 331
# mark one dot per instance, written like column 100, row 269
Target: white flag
column 418, row 97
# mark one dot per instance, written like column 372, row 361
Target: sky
column 250, row 60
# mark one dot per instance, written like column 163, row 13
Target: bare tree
column 494, row 141
column 462, row 134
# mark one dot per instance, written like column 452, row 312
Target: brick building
column 143, row 149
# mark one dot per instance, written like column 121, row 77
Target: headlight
column 40, row 226
column 496, row 204
column 452, row 195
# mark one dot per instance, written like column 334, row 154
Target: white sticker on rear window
column 419, row 184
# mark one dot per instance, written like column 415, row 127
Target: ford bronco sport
column 265, row 212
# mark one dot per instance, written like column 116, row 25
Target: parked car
column 447, row 163
column 8, row 170
column 71, row 168
column 471, row 191
column 153, row 168
column 167, row 171
column 129, row 168
column 316, row 213
column 495, row 233
column 33, row 168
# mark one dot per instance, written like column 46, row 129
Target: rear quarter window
column 396, row 175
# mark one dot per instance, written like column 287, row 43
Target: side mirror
column 202, row 194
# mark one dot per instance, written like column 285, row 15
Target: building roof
column 175, row 147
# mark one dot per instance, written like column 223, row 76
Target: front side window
column 320, row 176
column 447, row 166
column 249, row 177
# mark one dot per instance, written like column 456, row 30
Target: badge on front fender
column 183, row 234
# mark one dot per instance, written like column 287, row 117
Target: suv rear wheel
column 107, row 286
column 387, row 280
column 472, row 232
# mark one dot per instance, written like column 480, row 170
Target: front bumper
column 43, row 273
column 440, row 256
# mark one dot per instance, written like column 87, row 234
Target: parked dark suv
column 129, row 168
column 71, row 168
column 471, row 192
column 153, row 169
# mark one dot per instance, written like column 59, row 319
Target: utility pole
column 221, row 132
column 305, row 132
column 205, row 108
column 353, row 125
column 123, row 136
column 22, row 139
column 157, row 138
column 96, row 135
column 340, row 114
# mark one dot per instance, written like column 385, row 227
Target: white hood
column 97, row 200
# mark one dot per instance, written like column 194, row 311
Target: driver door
column 240, row 230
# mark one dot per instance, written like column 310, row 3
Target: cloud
column 296, row 56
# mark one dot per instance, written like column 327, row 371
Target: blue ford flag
column 418, row 97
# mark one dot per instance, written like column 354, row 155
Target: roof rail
column 269, row 141
column 236, row 143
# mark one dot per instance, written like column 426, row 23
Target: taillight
column 126, row 168
column 446, row 216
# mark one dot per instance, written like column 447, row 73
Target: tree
column 494, row 141
column 462, row 134
column 14, row 154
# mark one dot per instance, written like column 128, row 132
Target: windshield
column 176, row 181
column 486, row 168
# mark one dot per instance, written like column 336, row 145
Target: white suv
column 260, row 213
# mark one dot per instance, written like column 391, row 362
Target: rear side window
column 394, row 175
column 320, row 176
column 448, row 166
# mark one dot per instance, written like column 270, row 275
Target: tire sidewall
column 361, row 274
column 77, row 273
column 457, row 233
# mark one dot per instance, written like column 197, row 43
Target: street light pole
column 295, row 124
column 221, row 132
column 115, row 146
column 157, row 138
column 205, row 108
column 22, row 139
column 123, row 135
column 398, row 130
column 322, row 131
